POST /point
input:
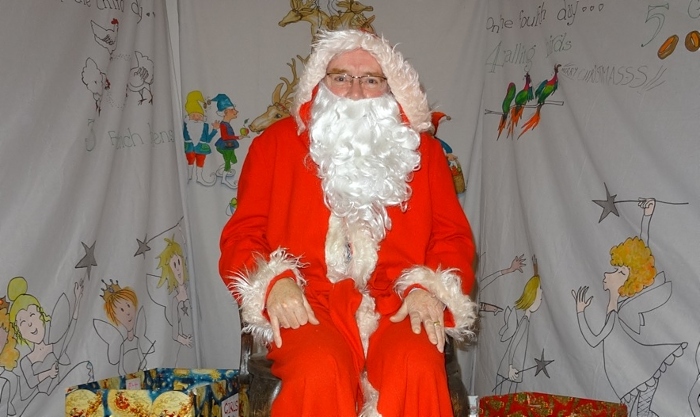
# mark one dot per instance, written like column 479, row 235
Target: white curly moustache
column 365, row 157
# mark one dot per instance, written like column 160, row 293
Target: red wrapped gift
column 531, row 404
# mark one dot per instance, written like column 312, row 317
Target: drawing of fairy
column 10, row 401
column 125, row 334
column 48, row 336
column 516, row 332
column 634, row 288
column 176, row 303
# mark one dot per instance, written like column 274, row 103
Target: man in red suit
column 349, row 252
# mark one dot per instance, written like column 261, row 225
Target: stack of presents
column 166, row 392
column 535, row 404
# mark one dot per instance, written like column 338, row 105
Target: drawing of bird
column 543, row 92
column 521, row 99
column 96, row 82
column 141, row 77
column 107, row 38
column 510, row 95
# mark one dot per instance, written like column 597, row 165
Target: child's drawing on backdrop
column 515, row 102
column 228, row 142
column 172, row 294
column 635, row 288
column 47, row 363
column 516, row 265
column 141, row 77
column 518, row 101
column 10, row 401
column 106, row 37
column 516, row 332
column 197, row 136
column 125, row 333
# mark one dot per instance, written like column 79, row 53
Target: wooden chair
column 258, row 387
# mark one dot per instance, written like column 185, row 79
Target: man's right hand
column 287, row 308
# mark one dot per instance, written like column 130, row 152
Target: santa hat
column 194, row 102
column 222, row 102
column 435, row 119
column 401, row 77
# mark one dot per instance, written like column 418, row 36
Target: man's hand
column 422, row 307
column 287, row 307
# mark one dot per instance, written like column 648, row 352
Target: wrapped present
column 531, row 404
column 172, row 392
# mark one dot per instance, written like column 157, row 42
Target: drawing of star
column 608, row 205
column 143, row 247
column 542, row 365
column 88, row 261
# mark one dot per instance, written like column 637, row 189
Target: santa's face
column 355, row 63
column 365, row 156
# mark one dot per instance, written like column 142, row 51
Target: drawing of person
column 516, row 265
column 228, row 142
column 10, row 401
column 634, row 288
column 516, row 331
column 48, row 336
column 197, row 136
column 127, row 351
column 178, row 309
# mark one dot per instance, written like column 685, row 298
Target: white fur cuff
column 252, row 288
column 445, row 286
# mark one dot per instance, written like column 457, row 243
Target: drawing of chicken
column 141, row 77
column 96, row 81
column 543, row 91
column 106, row 38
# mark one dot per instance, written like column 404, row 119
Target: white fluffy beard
column 365, row 157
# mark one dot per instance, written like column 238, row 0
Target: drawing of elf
column 228, row 142
column 510, row 370
column 197, row 136
column 48, row 336
column 127, row 351
column 634, row 288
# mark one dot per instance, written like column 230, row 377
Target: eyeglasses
column 345, row 81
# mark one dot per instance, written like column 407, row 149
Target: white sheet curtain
column 97, row 190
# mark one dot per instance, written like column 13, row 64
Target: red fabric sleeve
column 451, row 242
column 244, row 235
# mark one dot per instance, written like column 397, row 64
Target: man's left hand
column 423, row 308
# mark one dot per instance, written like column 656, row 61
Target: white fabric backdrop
column 90, row 192
column 90, row 195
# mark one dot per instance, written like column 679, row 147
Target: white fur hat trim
column 401, row 76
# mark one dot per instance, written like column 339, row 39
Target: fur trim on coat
column 252, row 288
column 445, row 285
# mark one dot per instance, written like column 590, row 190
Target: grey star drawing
column 542, row 365
column 88, row 261
column 608, row 205
column 143, row 247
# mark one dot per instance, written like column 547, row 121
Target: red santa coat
column 281, row 205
